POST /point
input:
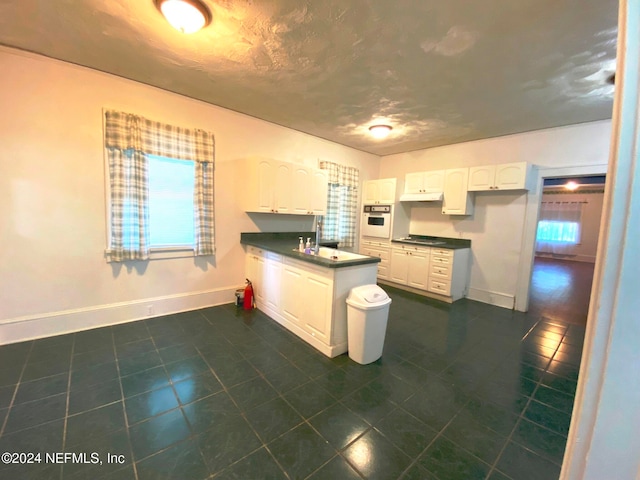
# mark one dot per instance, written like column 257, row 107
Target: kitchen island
column 306, row 293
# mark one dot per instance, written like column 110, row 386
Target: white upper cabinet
column 300, row 183
column 381, row 191
column 280, row 187
column 457, row 200
column 424, row 182
column 506, row 176
column 319, row 192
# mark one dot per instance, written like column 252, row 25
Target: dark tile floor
column 463, row 391
column 561, row 289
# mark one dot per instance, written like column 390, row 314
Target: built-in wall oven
column 376, row 221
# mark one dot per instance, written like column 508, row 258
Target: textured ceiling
column 438, row 71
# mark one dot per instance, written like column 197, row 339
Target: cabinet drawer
column 383, row 270
column 382, row 254
column 273, row 256
column 255, row 251
column 439, row 260
column 443, row 287
column 440, row 272
column 442, row 252
column 411, row 248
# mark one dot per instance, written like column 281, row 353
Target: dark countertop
column 450, row 243
column 285, row 243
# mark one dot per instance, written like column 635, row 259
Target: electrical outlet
column 149, row 309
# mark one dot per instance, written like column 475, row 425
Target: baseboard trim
column 32, row 327
column 492, row 298
column 417, row 291
column 569, row 258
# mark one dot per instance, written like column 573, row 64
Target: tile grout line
column 226, row 390
column 494, row 465
column 530, row 399
column 15, row 392
column 66, row 411
column 124, row 408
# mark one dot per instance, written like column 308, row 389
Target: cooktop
column 419, row 240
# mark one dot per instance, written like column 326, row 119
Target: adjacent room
column 315, row 240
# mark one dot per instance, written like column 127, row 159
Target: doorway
column 566, row 243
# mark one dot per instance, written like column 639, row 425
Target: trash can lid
column 368, row 296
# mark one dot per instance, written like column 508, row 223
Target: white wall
column 585, row 250
column 497, row 227
column 53, row 274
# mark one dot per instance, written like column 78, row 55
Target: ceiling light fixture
column 380, row 131
column 187, row 16
column 571, row 185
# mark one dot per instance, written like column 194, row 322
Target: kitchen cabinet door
column 317, row 300
column 370, row 192
column 414, row 182
column 457, row 200
column 382, row 191
column 272, row 282
column 387, row 191
column 424, row 182
column 505, row 176
column 301, row 192
column 511, row 176
column 319, row 192
column 291, row 306
column 281, row 187
column 259, row 193
column 399, row 268
column 481, row 178
column 418, row 274
column 434, row 181
column 254, row 272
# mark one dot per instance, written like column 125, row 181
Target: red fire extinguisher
column 248, row 296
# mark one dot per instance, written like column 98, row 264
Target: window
column 160, row 187
column 171, row 202
column 342, row 202
column 554, row 231
column 559, row 227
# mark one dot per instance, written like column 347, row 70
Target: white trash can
column 367, row 315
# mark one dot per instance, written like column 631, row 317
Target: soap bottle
column 301, row 246
column 307, row 247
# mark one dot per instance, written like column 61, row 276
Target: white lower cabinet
column 291, row 306
column 441, row 271
column 316, row 296
column 307, row 299
column 410, row 266
column 382, row 250
column 271, row 283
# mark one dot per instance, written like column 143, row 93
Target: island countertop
column 285, row 243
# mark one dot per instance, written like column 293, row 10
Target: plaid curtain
column 342, row 203
column 129, row 136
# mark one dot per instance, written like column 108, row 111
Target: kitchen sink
column 338, row 255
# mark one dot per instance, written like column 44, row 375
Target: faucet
column 316, row 249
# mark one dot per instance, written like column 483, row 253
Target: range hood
column 421, row 197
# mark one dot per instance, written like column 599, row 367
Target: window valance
column 125, row 131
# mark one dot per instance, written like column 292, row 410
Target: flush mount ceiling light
column 380, row 131
column 571, row 185
column 188, row 16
